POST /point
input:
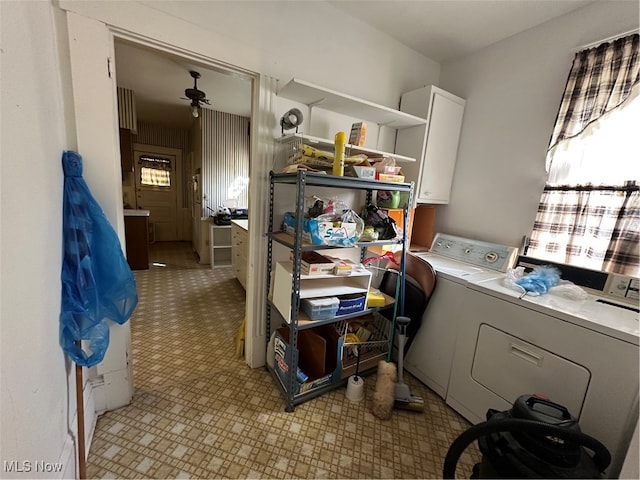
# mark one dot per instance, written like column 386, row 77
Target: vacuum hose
column 601, row 458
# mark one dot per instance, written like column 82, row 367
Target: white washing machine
column 456, row 260
column 582, row 354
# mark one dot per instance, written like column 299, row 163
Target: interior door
column 96, row 121
column 156, row 191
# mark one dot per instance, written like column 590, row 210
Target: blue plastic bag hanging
column 97, row 282
column 540, row 280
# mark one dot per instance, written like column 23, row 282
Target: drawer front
column 510, row 367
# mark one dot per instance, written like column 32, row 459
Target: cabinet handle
column 526, row 355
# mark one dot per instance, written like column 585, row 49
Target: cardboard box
column 365, row 172
column 320, row 356
column 358, row 134
column 423, row 226
column 386, row 177
column 312, row 263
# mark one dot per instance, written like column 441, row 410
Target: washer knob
column 491, row 257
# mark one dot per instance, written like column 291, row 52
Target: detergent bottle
column 338, row 159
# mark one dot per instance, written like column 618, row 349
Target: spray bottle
column 338, row 159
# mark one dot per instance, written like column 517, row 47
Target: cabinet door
column 435, row 144
column 240, row 244
column 441, row 151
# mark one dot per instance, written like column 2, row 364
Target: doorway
column 158, row 185
column 164, row 177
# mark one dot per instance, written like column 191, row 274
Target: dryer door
column 510, row 367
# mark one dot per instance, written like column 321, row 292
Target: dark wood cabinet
column 136, row 231
column 126, row 150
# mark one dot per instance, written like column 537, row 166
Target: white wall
column 280, row 39
column 513, row 90
column 36, row 400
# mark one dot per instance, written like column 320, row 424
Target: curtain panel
column 600, row 80
column 623, row 254
column 593, row 228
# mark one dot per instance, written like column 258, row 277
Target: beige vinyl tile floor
column 199, row 411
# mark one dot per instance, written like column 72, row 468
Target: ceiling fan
column 196, row 96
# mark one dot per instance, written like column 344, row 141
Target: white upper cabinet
column 435, row 144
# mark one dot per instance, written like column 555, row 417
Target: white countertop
column 614, row 321
column 130, row 212
column 242, row 224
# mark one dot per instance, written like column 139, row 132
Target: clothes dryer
column 581, row 352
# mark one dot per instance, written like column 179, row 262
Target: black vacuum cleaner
column 536, row 438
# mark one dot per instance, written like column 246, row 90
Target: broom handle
column 82, row 465
column 357, row 361
column 402, row 335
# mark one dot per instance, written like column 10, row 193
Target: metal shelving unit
column 297, row 321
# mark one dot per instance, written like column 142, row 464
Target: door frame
column 177, row 153
column 94, row 96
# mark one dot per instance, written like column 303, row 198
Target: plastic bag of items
column 541, row 280
column 340, row 229
column 332, row 222
column 384, row 227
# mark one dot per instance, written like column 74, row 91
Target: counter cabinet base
column 136, row 230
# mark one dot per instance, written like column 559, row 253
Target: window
column 155, row 171
column 589, row 213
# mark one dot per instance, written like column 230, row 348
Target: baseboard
column 68, row 458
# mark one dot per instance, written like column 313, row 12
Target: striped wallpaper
column 225, row 159
column 127, row 117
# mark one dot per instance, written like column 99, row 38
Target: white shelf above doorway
column 314, row 95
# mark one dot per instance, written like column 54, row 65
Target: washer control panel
column 492, row 256
column 623, row 287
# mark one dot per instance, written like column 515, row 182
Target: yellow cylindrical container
column 338, row 159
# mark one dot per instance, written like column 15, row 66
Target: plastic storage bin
column 320, row 308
